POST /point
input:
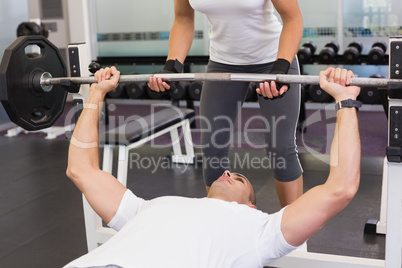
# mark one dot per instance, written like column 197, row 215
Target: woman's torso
column 242, row 31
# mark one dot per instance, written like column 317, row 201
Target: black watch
column 348, row 104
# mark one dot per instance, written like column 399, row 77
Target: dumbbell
column 370, row 95
column 328, row 53
column 352, row 52
column 180, row 92
column 306, row 52
column 93, row 67
column 194, row 90
column 117, row 93
column 32, row 28
column 377, row 52
column 318, row 95
column 135, row 90
column 155, row 95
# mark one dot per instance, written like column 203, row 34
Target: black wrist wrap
column 174, row 66
column 171, row 66
column 281, row 66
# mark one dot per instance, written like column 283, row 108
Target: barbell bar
column 46, row 80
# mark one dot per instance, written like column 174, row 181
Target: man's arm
column 311, row 211
column 101, row 189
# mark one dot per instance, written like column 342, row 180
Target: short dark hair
column 252, row 196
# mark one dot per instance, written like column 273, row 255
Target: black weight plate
column 194, row 90
column 29, row 108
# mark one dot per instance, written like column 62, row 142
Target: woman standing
column 246, row 37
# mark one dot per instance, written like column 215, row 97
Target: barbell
column 34, row 87
column 46, row 81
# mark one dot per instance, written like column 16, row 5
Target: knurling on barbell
column 33, row 89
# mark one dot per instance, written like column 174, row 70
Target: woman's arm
column 180, row 40
column 182, row 32
column 292, row 31
column 289, row 42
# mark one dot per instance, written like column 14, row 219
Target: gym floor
column 41, row 216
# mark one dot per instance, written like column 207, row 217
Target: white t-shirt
column 243, row 32
column 189, row 232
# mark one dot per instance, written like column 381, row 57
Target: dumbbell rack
column 351, row 56
column 339, row 60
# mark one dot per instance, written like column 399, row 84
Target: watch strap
column 349, row 103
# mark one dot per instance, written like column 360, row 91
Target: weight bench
column 131, row 135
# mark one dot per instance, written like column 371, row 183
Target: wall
column 141, row 28
column 12, row 13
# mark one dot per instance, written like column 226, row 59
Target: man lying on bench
column 223, row 229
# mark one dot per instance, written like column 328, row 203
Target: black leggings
column 219, row 107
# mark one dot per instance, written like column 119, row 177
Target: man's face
column 232, row 187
